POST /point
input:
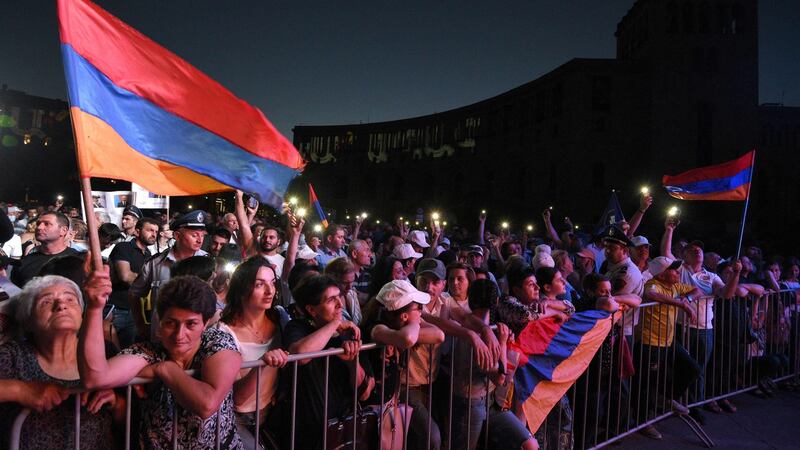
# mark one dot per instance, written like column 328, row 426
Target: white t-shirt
column 626, row 278
column 705, row 281
column 13, row 247
column 277, row 261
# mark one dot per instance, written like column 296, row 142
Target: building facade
column 682, row 92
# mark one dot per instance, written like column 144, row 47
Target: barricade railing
column 654, row 363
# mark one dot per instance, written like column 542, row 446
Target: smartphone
column 110, row 312
column 252, row 202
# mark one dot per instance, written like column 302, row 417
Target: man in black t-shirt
column 322, row 327
column 126, row 262
column 52, row 228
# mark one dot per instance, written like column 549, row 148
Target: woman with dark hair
column 202, row 405
column 256, row 322
column 386, row 270
column 551, row 285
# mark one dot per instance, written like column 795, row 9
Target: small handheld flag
column 312, row 198
column 727, row 181
column 611, row 215
column 141, row 113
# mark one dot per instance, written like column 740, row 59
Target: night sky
column 357, row 61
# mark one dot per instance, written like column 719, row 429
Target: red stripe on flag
column 136, row 63
column 724, row 170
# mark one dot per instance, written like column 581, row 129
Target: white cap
column 305, row 252
column 639, row 241
column 543, row 248
column 405, row 251
column 418, row 237
column 659, row 265
column 542, row 260
column 396, row 294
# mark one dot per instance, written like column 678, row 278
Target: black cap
column 615, row 234
column 698, row 243
column 132, row 211
column 194, row 219
column 475, row 249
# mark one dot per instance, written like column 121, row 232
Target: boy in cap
column 189, row 231
column 657, row 343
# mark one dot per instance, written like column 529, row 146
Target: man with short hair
column 77, row 235
column 220, row 245
column 51, row 232
column 189, row 231
column 640, row 255
column 360, row 254
column 333, row 245
column 269, row 247
column 662, row 354
column 126, row 261
column 130, row 215
column 164, row 240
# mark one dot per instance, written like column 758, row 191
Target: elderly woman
column 202, row 403
column 39, row 370
column 256, row 323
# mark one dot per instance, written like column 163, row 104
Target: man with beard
column 52, row 229
column 126, row 261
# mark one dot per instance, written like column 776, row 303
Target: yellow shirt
column 657, row 322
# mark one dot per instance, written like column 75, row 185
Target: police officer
column 188, row 231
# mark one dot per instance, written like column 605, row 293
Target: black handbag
column 340, row 430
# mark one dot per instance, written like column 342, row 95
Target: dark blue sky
column 356, row 61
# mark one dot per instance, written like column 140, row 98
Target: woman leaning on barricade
column 255, row 320
column 39, row 370
column 202, row 403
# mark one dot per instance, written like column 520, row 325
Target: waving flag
column 552, row 357
column 726, row 181
column 611, row 215
column 143, row 114
column 312, row 198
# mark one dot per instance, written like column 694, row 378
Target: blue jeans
column 701, row 346
column 476, row 408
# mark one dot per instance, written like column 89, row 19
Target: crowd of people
column 204, row 292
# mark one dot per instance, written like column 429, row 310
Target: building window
column 704, row 134
column 704, row 17
column 688, row 17
column 672, row 17
column 601, row 93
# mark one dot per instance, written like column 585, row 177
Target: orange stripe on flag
column 547, row 393
column 112, row 157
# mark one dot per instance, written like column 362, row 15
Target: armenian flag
column 727, row 181
column 141, row 113
column 312, row 198
column 552, row 356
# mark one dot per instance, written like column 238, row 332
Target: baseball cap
column 475, row 249
column 405, row 251
column 638, row 241
column 418, row 237
column 444, row 241
column 132, row 211
column 586, row 253
column 433, row 266
column 396, row 294
column 659, row 265
column 305, row 252
column 698, row 243
column 194, row 219
column 542, row 260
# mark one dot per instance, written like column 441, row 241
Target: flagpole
column 746, row 203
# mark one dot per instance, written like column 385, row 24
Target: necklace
column 259, row 335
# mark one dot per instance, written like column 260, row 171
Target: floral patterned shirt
column 160, row 405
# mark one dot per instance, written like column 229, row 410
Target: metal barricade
column 736, row 345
